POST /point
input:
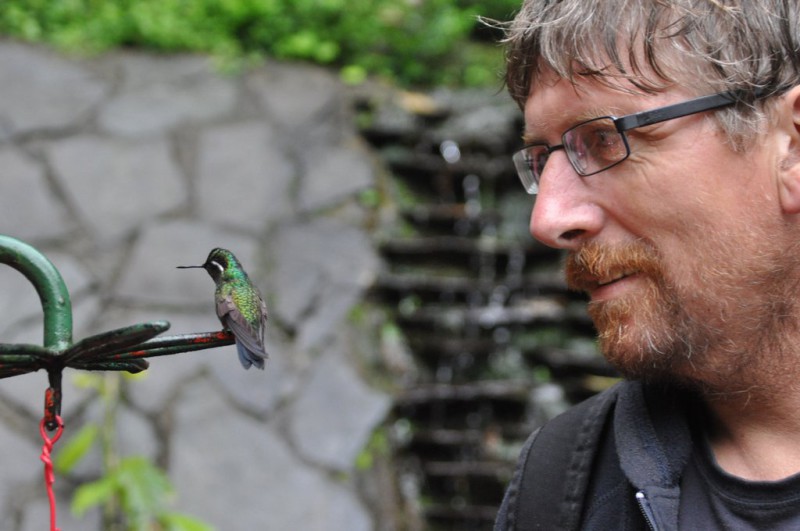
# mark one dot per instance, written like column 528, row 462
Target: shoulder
column 571, row 428
column 554, row 466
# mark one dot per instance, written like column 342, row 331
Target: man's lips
column 613, row 279
column 590, row 283
column 609, row 268
column 611, row 287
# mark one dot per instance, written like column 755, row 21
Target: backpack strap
column 555, row 466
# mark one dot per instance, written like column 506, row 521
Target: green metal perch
column 123, row 349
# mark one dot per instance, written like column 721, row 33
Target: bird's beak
column 191, row 267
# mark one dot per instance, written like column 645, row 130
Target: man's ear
column 789, row 170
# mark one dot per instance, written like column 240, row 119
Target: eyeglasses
column 598, row 144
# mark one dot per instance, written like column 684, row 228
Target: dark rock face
column 495, row 341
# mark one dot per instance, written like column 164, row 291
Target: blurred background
column 355, row 156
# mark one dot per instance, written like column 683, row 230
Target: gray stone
column 163, row 98
column 31, row 329
column 333, row 302
column 109, row 187
column 150, row 274
column 334, row 174
column 392, row 119
column 305, row 286
column 140, row 70
column 154, row 389
column 334, row 417
column 28, row 208
column 237, row 474
column 134, row 436
column 259, row 392
column 254, row 390
column 21, row 467
column 39, row 90
column 36, row 515
column 25, row 393
column 116, row 185
column 18, row 298
column 244, row 175
column 18, row 301
column 76, row 277
column 294, row 94
column 487, row 126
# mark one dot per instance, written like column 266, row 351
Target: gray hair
column 704, row 45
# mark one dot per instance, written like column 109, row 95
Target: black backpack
column 555, row 465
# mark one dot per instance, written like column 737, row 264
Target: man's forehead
column 563, row 104
column 555, row 103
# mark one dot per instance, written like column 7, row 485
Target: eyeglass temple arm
column 701, row 104
column 670, row 112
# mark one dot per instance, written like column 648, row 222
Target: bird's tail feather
column 248, row 358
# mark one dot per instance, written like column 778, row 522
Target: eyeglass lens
column 591, row 147
column 594, row 146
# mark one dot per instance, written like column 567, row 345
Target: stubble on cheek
column 640, row 333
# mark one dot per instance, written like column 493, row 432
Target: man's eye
column 539, row 160
column 603, row 143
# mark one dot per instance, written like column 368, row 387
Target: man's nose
column 565, row 213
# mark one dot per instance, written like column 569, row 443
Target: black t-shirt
column 713, row 499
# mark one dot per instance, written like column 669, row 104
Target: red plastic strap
column 49, row 475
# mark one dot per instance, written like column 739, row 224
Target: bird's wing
column 263, row 314
column 253, row 340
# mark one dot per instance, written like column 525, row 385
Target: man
column 662, row 142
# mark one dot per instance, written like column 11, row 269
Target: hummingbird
column 239, row 305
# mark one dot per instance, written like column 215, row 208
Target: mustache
column 594, row 264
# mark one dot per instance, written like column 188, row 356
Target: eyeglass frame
column 632, row 121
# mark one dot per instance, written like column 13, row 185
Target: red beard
column 643, row 334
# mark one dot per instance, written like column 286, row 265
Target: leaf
column 180, row 522
column 74, row 450
column 95, row 493
column 144, row 487
column 86, row 380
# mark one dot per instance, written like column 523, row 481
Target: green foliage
column 75, row 449
column 499, row 10
column 144, row 491
column 378, row 447
column 370, row 198
column 132, row 490
column 411, row 41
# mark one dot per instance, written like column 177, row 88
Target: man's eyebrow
column 532, row 133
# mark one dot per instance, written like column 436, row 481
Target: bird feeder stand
column 123, row 349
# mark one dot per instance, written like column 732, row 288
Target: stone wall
column 120, row 168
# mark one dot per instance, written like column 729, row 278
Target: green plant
column 378, row 447
column 142, row 491
column 133, row 492
column 411, row 41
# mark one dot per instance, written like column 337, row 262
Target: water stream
column 482, row 307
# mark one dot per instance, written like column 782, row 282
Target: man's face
column 682, row 248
